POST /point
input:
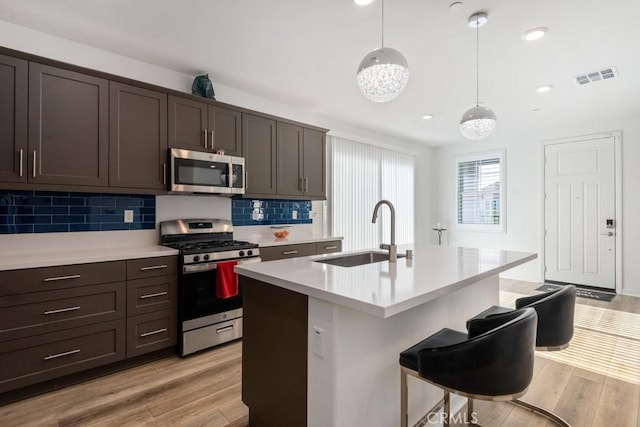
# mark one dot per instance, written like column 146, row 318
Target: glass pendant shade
column 478, row 123
column 383, row 74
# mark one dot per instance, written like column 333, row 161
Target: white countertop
column 384, row 289
column 19, row 260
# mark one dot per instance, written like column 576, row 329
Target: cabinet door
column 68, row 127
column 314, row 163
column 289, row 161
column 225, row 130
column 259, row 148
column 188, row 124
column 137, row 137
column 272, row 253
column 13, row 119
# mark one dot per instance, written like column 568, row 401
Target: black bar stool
column 556, row 310
column 493, row 361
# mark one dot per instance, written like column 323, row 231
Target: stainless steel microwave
column 199, row 172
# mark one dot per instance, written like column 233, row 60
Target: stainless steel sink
column 354, row 260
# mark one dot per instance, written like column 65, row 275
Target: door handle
column 21, row 160
column 205, row 138
column 34, row 163
column 608, row 233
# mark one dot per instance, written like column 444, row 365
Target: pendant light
column 478, row 122
column 383, row 73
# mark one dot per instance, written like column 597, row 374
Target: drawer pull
column 54, row 279
column 62, row 310
column 289, row 252
column 157, row 294
column 225, row 329
column 330, row 247
column 153, row 267
column 66, row 353
column 157, row 331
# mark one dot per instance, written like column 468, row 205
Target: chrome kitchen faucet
column 393, row 249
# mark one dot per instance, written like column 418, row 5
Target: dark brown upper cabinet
column 13, row 119
column 68, row 127
column 259, row 148
column 225, row 130
column 137, row 137
column 300, row 161
column 199, row 126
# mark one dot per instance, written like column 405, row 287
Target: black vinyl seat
column 556, row 310
column 493, row 361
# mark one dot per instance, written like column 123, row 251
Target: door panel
column 580, row 197
column 226, row 127
column 68, row 127
column 290, row 160
column 187, row 124
column 259, row 148
column 13, row 119
column 314, row 167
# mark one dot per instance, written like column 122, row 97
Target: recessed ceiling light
column 362, row 2
column 543, row 89
column 534, row 34
column 428, row 116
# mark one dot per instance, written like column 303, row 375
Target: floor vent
column 594, row 76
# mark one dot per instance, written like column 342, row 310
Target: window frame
column 485, row 155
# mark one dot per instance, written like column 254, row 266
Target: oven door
column 198, row 172
column 198, row 301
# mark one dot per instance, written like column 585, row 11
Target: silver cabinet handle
column 289, row 252
column 164, row 173
column 66, row 353
column 205, row 138
column 153, row 267
column 21, row 160
column 62, row 310
column 301, row 184
column 157, row 331
column 157, row 294
column 306, row 185
column 608, row 233
column 34, row 163
column 330, row 247
column 54, row 279
column 213, row 139
column 225, row 329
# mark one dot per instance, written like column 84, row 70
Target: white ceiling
column 305, row 53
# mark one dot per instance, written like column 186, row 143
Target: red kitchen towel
column 226, row 280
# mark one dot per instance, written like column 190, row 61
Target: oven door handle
column 210, row 266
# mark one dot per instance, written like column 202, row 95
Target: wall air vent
column 594, row 76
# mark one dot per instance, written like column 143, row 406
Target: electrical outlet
column 128, row 216
column 294, row 214
column 318, row 341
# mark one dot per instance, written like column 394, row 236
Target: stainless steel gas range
column 208, row 314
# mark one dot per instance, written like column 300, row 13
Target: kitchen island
column 321, row 341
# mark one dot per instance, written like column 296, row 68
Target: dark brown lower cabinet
column 57, row 321
column 274, row 365
column 42, row 357
column 151, row 331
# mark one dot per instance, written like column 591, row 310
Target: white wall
column 523, row 194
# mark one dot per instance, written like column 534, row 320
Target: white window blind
column 480, row 180
column 361, row 175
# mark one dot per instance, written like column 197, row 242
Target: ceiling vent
column 594, row 76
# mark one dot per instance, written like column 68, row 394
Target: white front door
column 579, row 213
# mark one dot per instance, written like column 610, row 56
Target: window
column 480, row 191
column 361, row 175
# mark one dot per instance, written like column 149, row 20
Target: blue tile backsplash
column 273, row 212
column 54, row 211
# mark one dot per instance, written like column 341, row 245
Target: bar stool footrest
column 540, row 411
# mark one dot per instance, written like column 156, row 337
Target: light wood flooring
column 595, row 382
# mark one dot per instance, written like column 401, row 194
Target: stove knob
column 206, row 257
column 241, row 253
column 249, row 252
column 196, row 258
